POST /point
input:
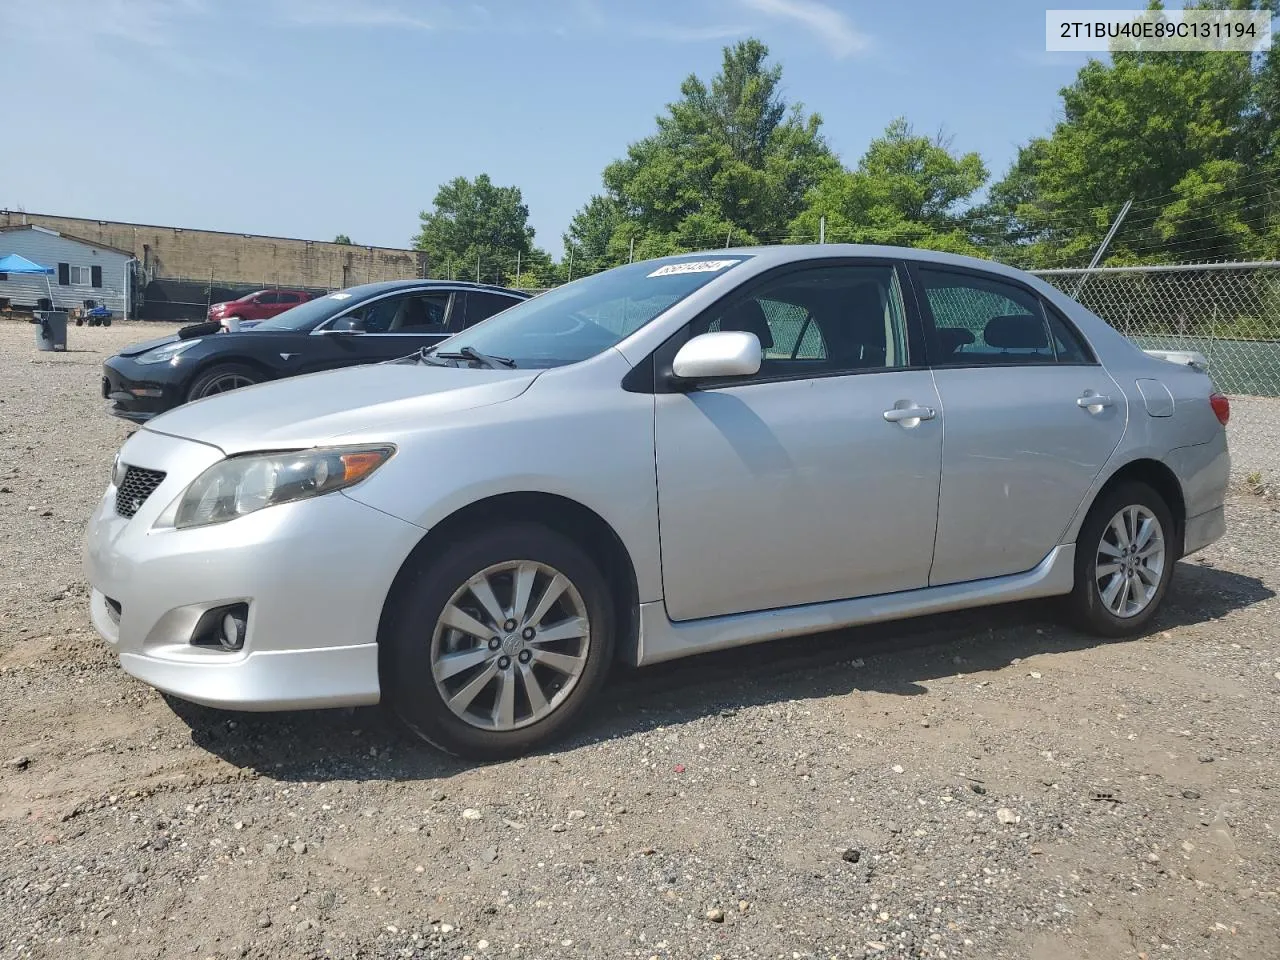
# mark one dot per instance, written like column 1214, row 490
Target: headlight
column 167, row 352
column 242, row 485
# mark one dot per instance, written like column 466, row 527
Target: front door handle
column 1091, row 400
column 904, row 415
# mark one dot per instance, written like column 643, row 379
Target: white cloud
column 352, row 13
column 831, row 26
column 681, row 34
column 148, row 23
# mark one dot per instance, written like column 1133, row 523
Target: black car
column 365, row 324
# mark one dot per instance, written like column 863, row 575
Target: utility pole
column 631, row 253
column 1102, row 248
column 727, row 237
column 477, row 266
column 517, row 266
column 822, row 229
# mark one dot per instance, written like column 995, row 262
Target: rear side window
column 982, row 320
column 267, row 298
column 482, row 306
column 1067, row 342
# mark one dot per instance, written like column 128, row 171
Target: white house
column 82, row 270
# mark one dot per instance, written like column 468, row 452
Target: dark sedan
column 365, row 324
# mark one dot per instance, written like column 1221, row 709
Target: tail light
column 1221, row 407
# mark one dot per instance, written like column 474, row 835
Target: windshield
column 583, row 318
column 309, row 313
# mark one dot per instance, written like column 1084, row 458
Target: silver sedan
column 668, row 458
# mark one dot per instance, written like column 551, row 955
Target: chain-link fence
column 189, row 300
column 1230, row 312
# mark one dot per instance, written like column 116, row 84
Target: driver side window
column 821, row 321
column 372, row 317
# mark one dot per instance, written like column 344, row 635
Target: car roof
column 383, row 286
column 791, row 253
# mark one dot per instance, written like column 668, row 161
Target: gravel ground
column 990, row 785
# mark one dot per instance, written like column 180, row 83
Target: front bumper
column 314, row 575
column 139, row 391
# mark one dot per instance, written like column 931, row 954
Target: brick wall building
column 179, row 253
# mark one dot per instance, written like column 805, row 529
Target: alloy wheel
column 1130, row 561
column 225, row 384
column 510, row 645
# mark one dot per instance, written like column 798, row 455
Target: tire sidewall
column 1086, row 602
column 406, row 670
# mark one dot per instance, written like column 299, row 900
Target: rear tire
column 1125, row 554
column 487, row 690
column 223, row 378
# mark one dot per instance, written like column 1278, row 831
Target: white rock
column 1005, row 815
column 471, row 813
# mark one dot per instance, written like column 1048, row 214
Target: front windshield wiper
column 471, row 353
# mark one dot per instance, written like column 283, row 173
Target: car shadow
column 896, row 658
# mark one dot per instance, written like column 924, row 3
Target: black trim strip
column 654, row 373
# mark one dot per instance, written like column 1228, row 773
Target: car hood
column 136, row 348
column 320, row 407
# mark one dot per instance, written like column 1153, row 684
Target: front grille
column 138, row 484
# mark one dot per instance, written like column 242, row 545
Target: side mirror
column 728, row 353
column 347, row 324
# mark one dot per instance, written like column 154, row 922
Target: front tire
column 494, row 647
column 223, row 378
column 1125, row 555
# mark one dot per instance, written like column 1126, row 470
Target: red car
column 262, row 305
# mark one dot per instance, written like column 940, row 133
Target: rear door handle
column 901, row 414
column 1093, row 400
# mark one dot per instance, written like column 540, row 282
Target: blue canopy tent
column 15, row 263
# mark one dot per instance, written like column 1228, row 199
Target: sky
column 310, row 118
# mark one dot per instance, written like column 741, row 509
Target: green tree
column 475, row 225
column 730, row 161
column 342, row 238
column 1166, row 130
column 908, row 189
column 590, row 232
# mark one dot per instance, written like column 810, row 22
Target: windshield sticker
column 693, row 266
column 339, row 296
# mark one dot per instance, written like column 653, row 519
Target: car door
column 362, row 334
column 405, row 323
column 264, row 306
column 816, row 479
column 1031, row 418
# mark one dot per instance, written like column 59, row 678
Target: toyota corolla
column 672, row 457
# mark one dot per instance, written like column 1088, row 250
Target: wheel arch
column 559, row 513
column 207, row 364
column 1161, row 478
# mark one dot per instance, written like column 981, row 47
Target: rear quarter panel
column 1191, row 442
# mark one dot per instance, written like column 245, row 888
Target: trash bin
column 51, row 329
